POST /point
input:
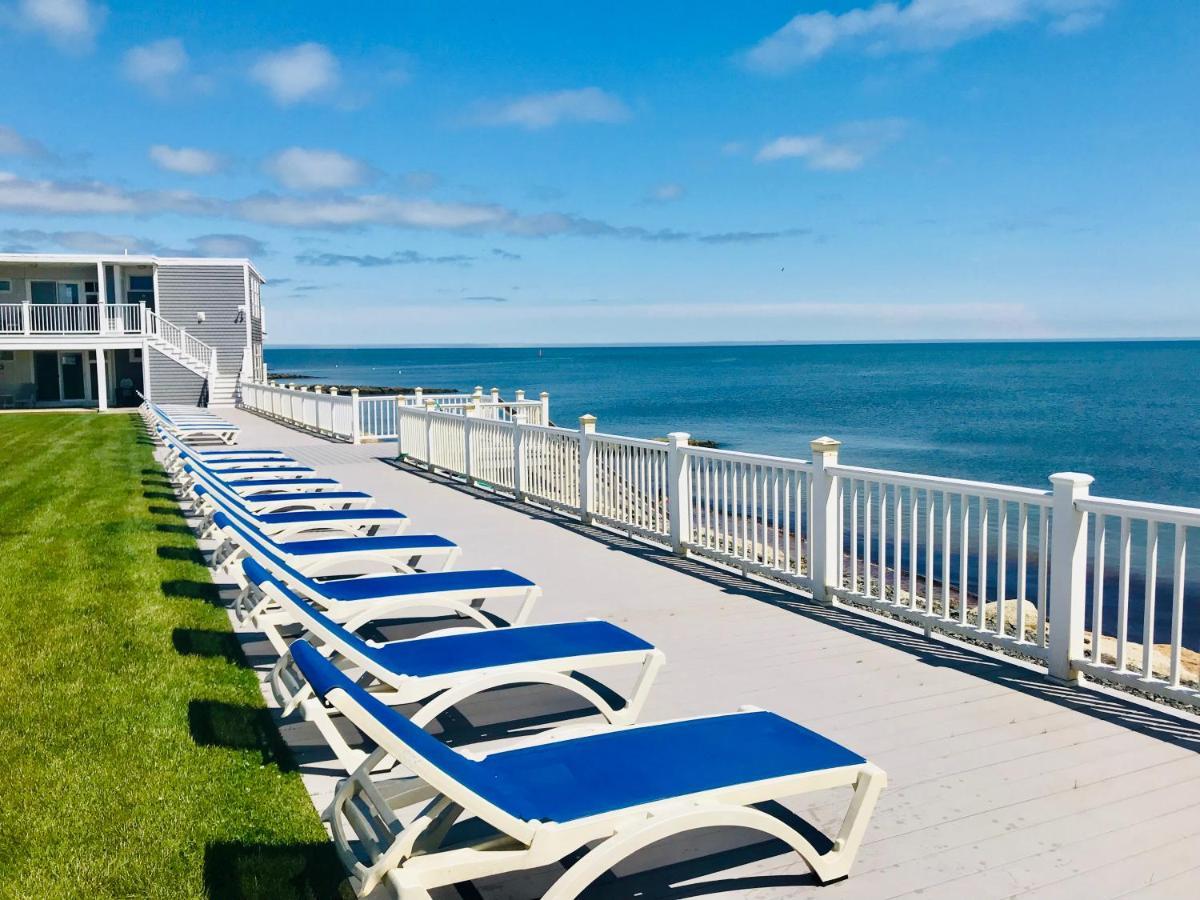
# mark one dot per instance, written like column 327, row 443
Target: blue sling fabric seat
column 598, row 797
column 351, row 590
column 398, row 542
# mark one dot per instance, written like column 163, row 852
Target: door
column 45, row 373
column 72, row 375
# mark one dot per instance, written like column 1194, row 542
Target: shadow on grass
column 186, row 589
column 158, row 495
column 235, row 727
column 184, row 554
column 174, row 529
column 210, row 644
column 241, row 871
column 166, row 511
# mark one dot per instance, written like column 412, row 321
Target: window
column 135, row 354
column 141, row 289
column 5, row 285
column 91, row 293
column 7, row 355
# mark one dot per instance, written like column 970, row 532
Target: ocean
column 1124, row 412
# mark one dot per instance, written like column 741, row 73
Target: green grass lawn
column 136, row 757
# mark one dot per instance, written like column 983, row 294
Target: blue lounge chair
column 602, row 796
column 194, row 427
column 442, row 670
column 283, row 515
column 322, row 554
column 352, row 601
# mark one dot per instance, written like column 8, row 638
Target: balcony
column 42, row 319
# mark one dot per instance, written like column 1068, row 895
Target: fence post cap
column 587, row 422
column 1077, row 482
column 825, row 445
column 353, row 392
column 545, row 395
column 317, row 389
column 333, row 390
column 417, row 391
column 519, row 394
column 679, row 438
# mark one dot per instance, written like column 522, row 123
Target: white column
column 355, row 424
column 429, row 408
column 146, row 370
column 587, row 427
column 495, row 392
column 101, row 378
column 518, row 420
column 1068, row 575
column 824, row 539
column 101, row 299
column 545, row 398
column 679, row 492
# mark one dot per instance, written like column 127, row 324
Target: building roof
column 126, row 259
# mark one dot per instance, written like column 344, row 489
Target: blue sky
column 426, row 172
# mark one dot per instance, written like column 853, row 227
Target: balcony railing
column 66, row 318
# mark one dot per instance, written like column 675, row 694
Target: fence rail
column 70, row 318
column 1051, row 575
column 356, row 418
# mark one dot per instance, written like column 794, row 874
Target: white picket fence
column 356, row 418
column 1007, row 566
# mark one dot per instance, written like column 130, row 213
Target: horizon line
column 782, row 343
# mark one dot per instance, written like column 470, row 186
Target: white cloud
column 12, row 143
column 538, row 111
column 304, row 72
column 303, row 169
column 154, row 66
column 847, row 148
column 379, row 209
column 185, row 160
column 665, row 193
column 891, row 27
column 71, row 24
column 93, row 198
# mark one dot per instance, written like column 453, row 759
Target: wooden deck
column 1000, row 784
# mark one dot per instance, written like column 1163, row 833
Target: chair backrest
column 467, row 782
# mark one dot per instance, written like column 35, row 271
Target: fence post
column 824, row 538
column 679, row 492
column 587, row 427
column 355, row 432
column 1068, row 575
column 518, row 396
column 495, row 395
column 319, row 390
column 470, row 411
column 518, row 420
column 477, row 395
column 429, row 407
column 418, row 396
column 143, row 320
column 545, row 398
column 26, row 317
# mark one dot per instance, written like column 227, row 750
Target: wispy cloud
column 19, row 240
column 305, row 72
column 71, row 25
column 505, row 254
column 919, row 25
column 538, row 111
column 230, row 245
column 13, row 143
column 340, row 212
column 306, row 169
column 155, row 66
column 397, row 258
column 665, row 193
column 845, row 149
column 185, row 160
column 486, row 298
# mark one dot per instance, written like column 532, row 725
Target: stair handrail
column 194, row 348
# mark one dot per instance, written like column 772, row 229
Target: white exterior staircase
column 176, row 344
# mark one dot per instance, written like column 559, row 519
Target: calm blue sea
column 1126, row 412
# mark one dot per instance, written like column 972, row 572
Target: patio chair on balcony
column 440, row 670
column 602, row 796
column 352, row 600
